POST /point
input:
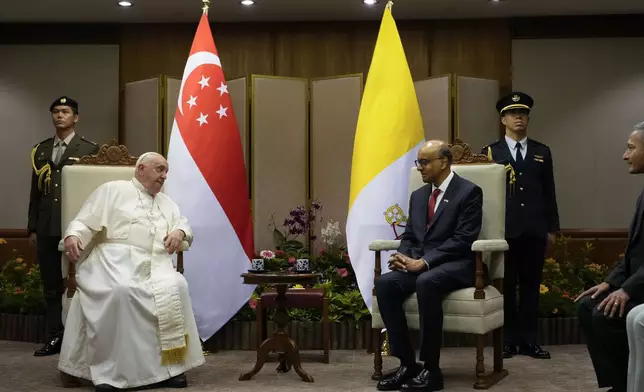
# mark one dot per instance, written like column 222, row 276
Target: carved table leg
column 262, row 354
column 279, row 342
column 293, row 355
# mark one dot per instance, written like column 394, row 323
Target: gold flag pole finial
column 206, row 5
column 390, row 4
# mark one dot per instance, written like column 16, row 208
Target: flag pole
column 205, row 7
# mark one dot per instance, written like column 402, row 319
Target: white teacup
column 302, row 265
column 257, row 264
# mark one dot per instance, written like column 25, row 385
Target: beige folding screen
column 143, row 116
column 279, row 151
column 297, row 134
column 459, row 107
column 335, row 104
column 150, row 107
column 476, row 120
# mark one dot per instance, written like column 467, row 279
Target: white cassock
column 130, row 322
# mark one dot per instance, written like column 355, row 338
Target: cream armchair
column 476, row 310
column 78, row 181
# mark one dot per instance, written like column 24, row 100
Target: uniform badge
column 63, row 100
column 516, row 98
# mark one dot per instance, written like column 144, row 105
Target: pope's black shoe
column 426, row 381
column 179, row 381
column 105, row 388
column 534, row 351
column 509, row 350
column 396, row 381
column 50, row 348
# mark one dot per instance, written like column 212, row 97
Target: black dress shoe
column 105, row 388
column 509, row 351
column 534, row 351
column 426, row 381
column 50, row 348
column 179, row 381
column 396, row 381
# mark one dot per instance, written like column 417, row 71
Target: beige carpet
column 570, row 370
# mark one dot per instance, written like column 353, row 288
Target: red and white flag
column 207, row 179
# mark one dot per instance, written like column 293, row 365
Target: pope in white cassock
column 130, row 323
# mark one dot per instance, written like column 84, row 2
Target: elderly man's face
column 153, row 173
column 430, row 164
column 634, row 153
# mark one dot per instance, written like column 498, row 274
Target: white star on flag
column 204, row 81
column 202, row 119
column 222, row 112
column 222, row 89
column 192, row 101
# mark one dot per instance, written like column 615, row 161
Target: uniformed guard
column 532, row 221
column 47, row 160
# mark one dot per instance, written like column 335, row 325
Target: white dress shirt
column 60, row 146
column 512, row 144
column 443, row 188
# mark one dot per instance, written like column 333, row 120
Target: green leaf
column 278, row 237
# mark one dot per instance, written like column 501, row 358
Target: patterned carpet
column 570, row 370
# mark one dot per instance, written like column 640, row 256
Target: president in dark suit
column 433, row 260
column 47, row 160
column 531, row 222
column 603, row 308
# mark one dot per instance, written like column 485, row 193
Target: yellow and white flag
column 388, row 135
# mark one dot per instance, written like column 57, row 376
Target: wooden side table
column 280, row 341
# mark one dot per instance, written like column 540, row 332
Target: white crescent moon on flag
column 194, row 61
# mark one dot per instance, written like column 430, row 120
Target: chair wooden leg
column 325, row 330
column 487, row 380
column 377, row 354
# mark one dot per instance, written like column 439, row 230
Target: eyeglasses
column 425, row 162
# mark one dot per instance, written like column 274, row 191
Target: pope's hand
column 173, row 241
column 73, row 248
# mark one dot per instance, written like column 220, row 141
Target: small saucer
column 256, row 272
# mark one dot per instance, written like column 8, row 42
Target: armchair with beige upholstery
column 112, row 162
column 476, row 310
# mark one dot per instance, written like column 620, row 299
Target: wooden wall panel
column 335, row 105
column 279, row 151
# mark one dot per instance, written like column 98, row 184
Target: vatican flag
column 388, row 135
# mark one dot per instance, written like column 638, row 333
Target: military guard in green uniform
column 47, row 160
column 532, row 221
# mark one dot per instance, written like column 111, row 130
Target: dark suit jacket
column 44, row 201
column 531, row 202
column 628, row 273
column 455, row 226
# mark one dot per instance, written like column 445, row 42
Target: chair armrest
column 380, row 245
column 490, row 246
column 184, row 246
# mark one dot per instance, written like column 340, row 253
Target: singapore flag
column 207, row 179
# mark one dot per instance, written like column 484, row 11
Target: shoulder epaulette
column 88, row 141
column 492, row 144
column 44, row 141
column 538, row 142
